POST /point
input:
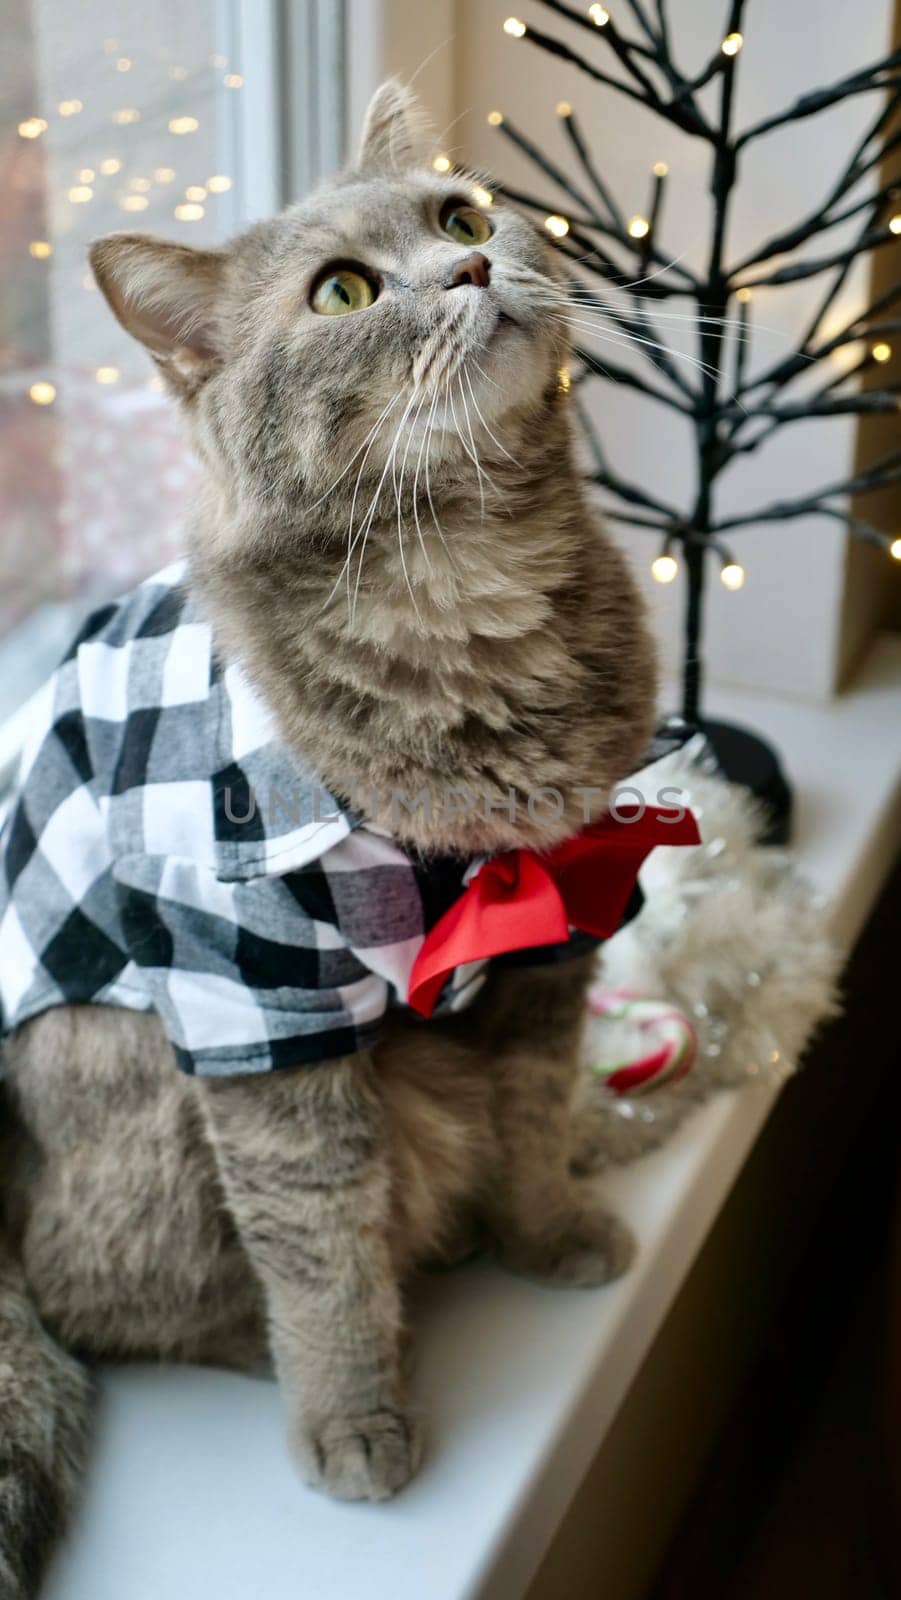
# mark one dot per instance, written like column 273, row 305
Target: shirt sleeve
column 244, row 978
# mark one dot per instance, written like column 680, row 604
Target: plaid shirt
column 137, row 870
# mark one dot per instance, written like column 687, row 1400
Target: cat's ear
column 165, row 295
column 394, row 132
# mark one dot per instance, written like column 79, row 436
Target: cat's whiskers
column 368, row 445
column 492, row 436
column 399, row 496
column 369, row 518
column 369, row 440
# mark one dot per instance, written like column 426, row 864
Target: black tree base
column 744, row 758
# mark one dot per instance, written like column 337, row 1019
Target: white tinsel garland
column 732, row 935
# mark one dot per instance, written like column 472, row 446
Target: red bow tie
column 520, row 898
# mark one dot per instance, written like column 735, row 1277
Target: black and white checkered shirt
column 165, row 852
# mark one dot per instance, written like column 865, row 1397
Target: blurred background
column 192, row 120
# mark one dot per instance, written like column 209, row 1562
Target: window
column 172, row 118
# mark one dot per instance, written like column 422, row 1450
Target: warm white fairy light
column 564, row 380
column 894, row 549
column 195, row 191
column 40, row 249
column 732, row 44
column 482, row 197
column 125, row 115
column 80, row 194
column 743, row 295
column 556, row 225
column 894, row 224
column 140, row 185
column 495, row 118
column 563, row 108
column 599, row 16
column 110, row 165
column 42, row 393
column 32, row 127
column 107, row 375
column 664, row 568
column 181, row 125
column 881, row 352
column 87, row 175
column 133, row 202
column 123, row 64
column 70, row 108
column 732, row 575
column 660, row 169
column 233, row 80
column 639, row 227
column 218, row 184
column 188, row 213
column 164, row 174
column 442, row 163
column 515, row 27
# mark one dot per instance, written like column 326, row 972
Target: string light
column 107, row 375
column 87, row 175
column 218, row 184
column 40, row 249
column 80, row 194
column 188, row 213
column 894, row 549
column 558, row 226
column 183, row 125
column 140, row 185
column 639, row 227
column 732, row 44
column 164, row 174
column 233, row 80
column 599, row 16
column 482, row 197
column 881, row 352
column 744, row 295
column 123, row 64
column 70, row 108
column 195, row 191
column 110, row 165
column 32, row 127
column 732, row 575
column 515, row 28
column 495, row 118
column 126, row 114
column 43, row 394
column 442, row 163
column 660, row 169
column 894, row 225
column 664, row 568
column 563, row 108
column 134, row 202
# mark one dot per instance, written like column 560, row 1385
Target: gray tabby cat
column 223, row 1220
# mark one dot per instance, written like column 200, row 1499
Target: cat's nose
column 474, row 269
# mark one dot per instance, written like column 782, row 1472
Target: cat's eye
column 465, row 224
column 342, row 290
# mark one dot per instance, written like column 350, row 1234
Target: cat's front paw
column 589, row 1252
column 359, row 1458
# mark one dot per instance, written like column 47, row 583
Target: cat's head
column 393, row 295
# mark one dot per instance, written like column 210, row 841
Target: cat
column 392, row 546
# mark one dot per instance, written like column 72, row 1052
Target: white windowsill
column 191, row 1490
